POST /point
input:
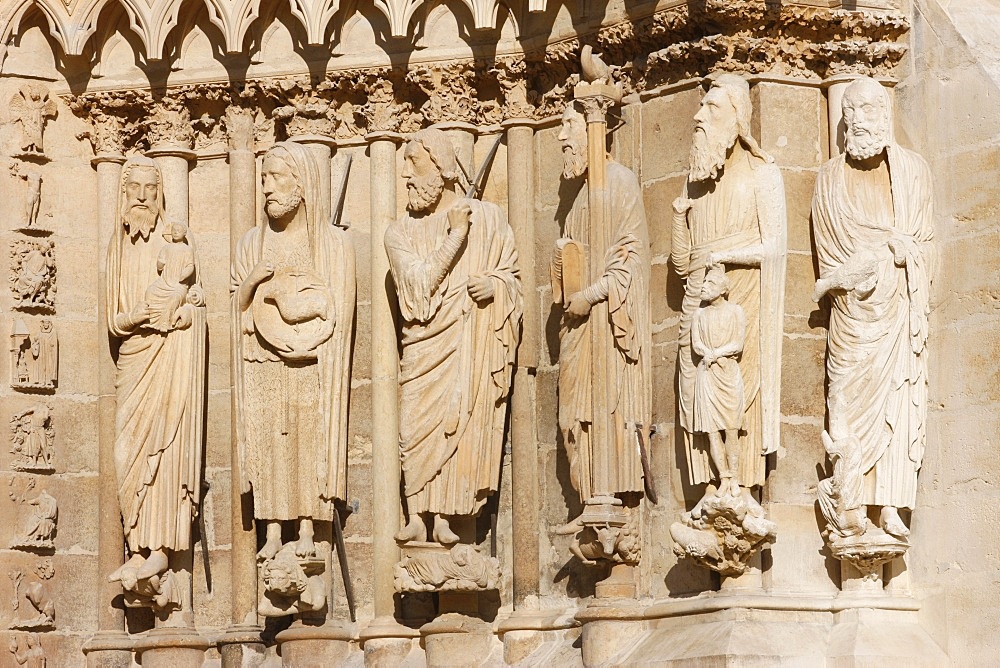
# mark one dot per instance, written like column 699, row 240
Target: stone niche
column 202, row 91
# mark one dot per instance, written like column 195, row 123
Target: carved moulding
column 37, row 595
column 435, row 567
column 33, row 274
column 32, row 437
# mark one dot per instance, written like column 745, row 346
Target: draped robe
column 743, row 207
column 626, row 277
column 457, row 359
column 876, row 355
column 292, row 414
column 160, row 387
column 718, row 387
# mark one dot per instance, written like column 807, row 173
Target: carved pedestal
column 172, row 647
column 435, row 567
column 610, row 533
column 315, row 643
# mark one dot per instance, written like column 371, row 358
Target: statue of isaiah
column 873, row 227
column 293, row 301
column 454, row 265
column 160, row 383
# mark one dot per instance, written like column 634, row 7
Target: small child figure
column 717, row 335
column 175, row 265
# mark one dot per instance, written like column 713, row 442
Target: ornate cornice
column 748, row 37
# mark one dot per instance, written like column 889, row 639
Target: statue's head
column 715, row 284
column 281, row 184
column 573, row 138
column 46, row 325
column 723, row 118
column 142, row 196
column 283, row 576
column 429, row 166
column 867, row 117
column 176, row 232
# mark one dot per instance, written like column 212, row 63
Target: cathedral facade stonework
column 406, row 333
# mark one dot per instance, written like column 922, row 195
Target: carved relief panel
column 34, row 351
column 33, row 274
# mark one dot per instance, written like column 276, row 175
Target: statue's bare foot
column 414, row 530
column 134, row 563
column 892, row 524
column 155, row 565
column 571, row 528
column 734, row 489
column 305, row 547
column 271, row 547
column 442, row 532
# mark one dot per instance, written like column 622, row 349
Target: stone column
column 524, row 451
column 174, row 164
column 386, row 641
column 835, row 115
column 241, row 643
column 110, row 646
column 321, row 147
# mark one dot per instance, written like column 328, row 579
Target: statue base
column 172, row 647
column 435, row 567
column 109, row 649
column 722, row 628
column 163, row 593
column 723, row 532
column 533, row 637
column 608, row 531
column 242, row 645
column 292, row 584
column 869, row 551
column 457, row 639
column 305, row 645
column 386, row 642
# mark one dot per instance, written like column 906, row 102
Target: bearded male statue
column 293, row 300
column 873, row 227
column 454, row 265
column 732, row 212
column 613, row 468
column 160, row 384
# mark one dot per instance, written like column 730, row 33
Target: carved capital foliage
column 749, row 37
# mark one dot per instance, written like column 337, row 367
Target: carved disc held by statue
column 293, row 312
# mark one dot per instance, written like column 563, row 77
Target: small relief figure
column 34, row 356
column 873, row 225
column 30, row 108
column 292, row 584
column 717, row 334
column 32, row 436
column 31, row 197
column 176, row 267
column 39, row 529
column 160, row 386
column 33, row 274
column 32, row 655
column 37, row 594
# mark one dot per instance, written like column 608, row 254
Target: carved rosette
column 722, row 532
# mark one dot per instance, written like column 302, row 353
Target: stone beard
column 872, row 222
column 160, row 383
column 460, row 299
column 293, row 286
column 624, row 283
column 732, row 213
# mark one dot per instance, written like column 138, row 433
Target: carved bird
column 593, row 68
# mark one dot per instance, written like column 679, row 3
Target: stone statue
column 454, row 265
column 30, row 108
column 293, row 301
column 33, row 273
column 32, row 436
column 718, row 330
column 31, row 198
column 731, row 213
column 612, row 468
column 160, row 385
column 873, row 228
column 176, row 266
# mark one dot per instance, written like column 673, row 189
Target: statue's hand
column 578, row 306
column 140, row 313
column 459, row 217
column 261, row 272
column 181, row 318
column 902, row 247
column 481, row 288
column 682, row 205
